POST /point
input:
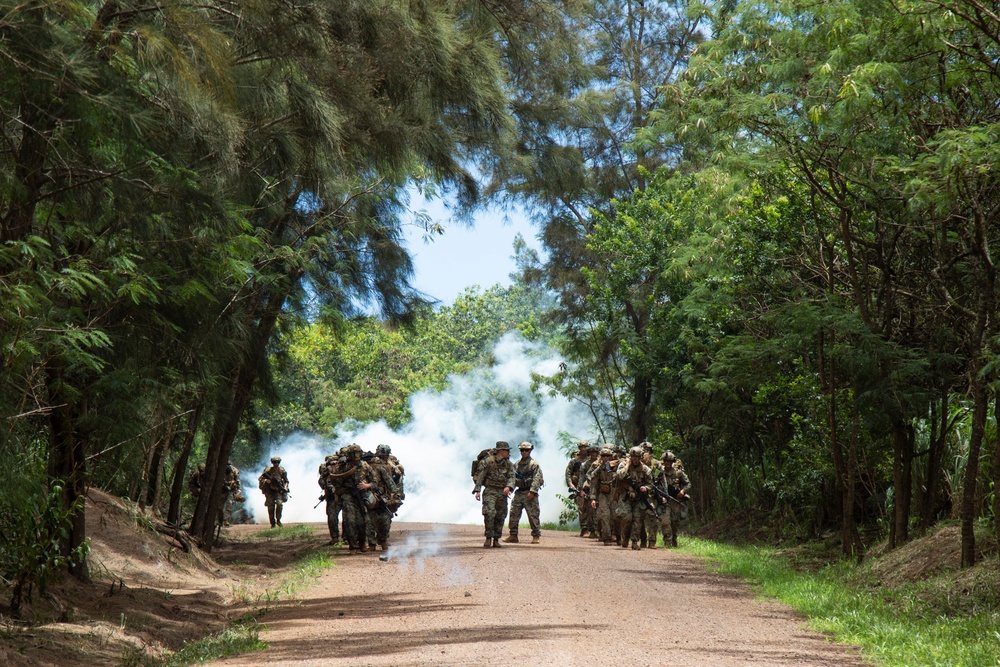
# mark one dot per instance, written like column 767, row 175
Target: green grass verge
column 894, row 627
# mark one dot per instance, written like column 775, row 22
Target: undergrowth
column 912, row 624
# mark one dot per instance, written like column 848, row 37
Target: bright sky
column 465, row 256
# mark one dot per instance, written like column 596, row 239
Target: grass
column 243, row 635
column 894, row 627
column 283, row 533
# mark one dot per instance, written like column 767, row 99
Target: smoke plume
column 449, row 428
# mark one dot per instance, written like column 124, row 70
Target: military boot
column 534, row 539
column 384, row 546
column 511, row 539
column 635, row 546
column 270, row 515
column 673, row 540
column 363, row 548
column 496, row 542
column 277, row 515
column 583, row 532
column 593, row 535
column 488, row 543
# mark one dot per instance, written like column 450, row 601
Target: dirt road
column 442, row 599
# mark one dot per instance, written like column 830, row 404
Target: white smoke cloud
column 449, row 428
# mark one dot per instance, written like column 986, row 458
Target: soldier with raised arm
column 496, row 479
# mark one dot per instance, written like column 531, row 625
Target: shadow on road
column 382, row 643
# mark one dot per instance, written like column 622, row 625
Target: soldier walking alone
column 273, row 483
column 529, row 480
column 496, row 478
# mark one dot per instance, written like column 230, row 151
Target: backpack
column 478, row 462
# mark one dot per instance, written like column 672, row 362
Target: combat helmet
column 383, row 450
column 276, row 460
column 583, row 445
column 593, row 448
column 669, row 456
column 606, row 451
column 526, row 445
column 646, row 446
column 635, row 452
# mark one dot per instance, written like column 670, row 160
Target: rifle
column 665, row 495
column 643, row 495
column 282, row 486
column 321, row 499
column 381, row 501
column 574, row 493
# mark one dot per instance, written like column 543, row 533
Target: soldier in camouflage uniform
column 330, row 466
column 601, row 483
column 617, row 512
column 677, row 486
column 636, row 478
column 196, row 479
column 573, row 484
column 529, row 480
column 651, row 518
column 350, row 484
column 387, row 491
column 232, row 490
column 588, row 520
column 496, row 478
column 273, row 483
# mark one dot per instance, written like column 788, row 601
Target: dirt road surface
column 442, row 599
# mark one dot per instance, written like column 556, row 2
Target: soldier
column 573, row 485
column 588, row 520
column 352, row 486
column 196, row 479
column 677, row 487
column 233, row 492
column 651, row 517
column 601, row 481
column 529, row 480
column 636, row 479
column 328, row 467
column 273, row 483
column 496, row 478
column 387, row 494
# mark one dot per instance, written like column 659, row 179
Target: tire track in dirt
column 442, row 599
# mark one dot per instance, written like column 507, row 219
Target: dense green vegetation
column 769, row 231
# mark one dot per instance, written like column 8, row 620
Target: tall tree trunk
column 180, row 468
column 67, row 462
column 638, row 421
column 902, row 460
column 935, row 451
column 970, row 483
column 227, row 420
column 996, row 467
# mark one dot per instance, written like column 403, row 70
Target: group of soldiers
column 232, row 487
column 368, row 489
column 628, row 499
column 497, row 480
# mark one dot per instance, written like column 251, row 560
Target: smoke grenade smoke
column 449, row 428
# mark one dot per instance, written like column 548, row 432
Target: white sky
column 464, row 256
